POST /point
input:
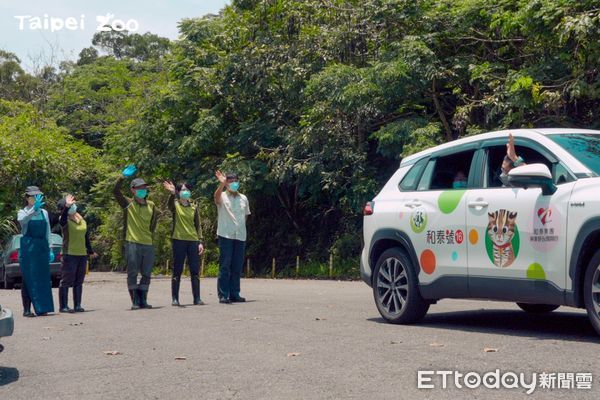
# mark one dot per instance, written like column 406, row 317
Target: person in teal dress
column 35, row 255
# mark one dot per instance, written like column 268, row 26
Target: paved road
column 343, row 350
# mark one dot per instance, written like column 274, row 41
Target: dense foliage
column 312, row 102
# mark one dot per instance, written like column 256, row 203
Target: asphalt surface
column 292, row 340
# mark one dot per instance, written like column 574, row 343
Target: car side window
column 409, row 182
column 447, row 172
column 561, row 175
column 425, row 181
column 495, row 155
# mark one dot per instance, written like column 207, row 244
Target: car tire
column 537, row 308
column 591, row 291
column 396, row 290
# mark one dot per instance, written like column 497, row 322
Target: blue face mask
column 234, row 186
column 185, row 194
column 72, row 209
column 141, row 193
column 459, row 185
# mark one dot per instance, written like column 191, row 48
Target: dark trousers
column 72, row 271
column 140, row 259
column 231, row 262
column 183, row 249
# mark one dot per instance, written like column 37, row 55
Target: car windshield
column 583, row 146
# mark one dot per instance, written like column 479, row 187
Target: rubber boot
column 77, row 292
column 144, row 299
column 27, row 308
column 63, row 300
column 175, row 282
column 135, row 299
column 26, row 304
column 196, row 290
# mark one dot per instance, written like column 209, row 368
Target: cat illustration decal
column 501, row 231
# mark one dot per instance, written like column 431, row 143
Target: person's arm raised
column 222, row 182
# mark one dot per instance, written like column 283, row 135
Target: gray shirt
column 233, row 211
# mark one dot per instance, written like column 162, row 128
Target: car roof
column 524, row 133
column 16, row 240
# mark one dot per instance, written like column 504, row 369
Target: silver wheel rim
column 392, row 286
column 596, row 291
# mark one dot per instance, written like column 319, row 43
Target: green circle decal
column 449, row 200
column 418, row 221
column 515, row 244
column 536, row 271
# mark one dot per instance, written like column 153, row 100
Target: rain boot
column 77, row 292
column 135, row 300
column 26, row 304
column 175, row 282
column 196, row 290
column 63, row 300
column 144, row 299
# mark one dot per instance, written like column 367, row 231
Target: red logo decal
column 459, row 236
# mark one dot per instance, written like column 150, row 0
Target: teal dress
column 35, row 265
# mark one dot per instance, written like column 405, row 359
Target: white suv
column 445, row 225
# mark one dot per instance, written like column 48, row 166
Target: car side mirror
column 532, row 175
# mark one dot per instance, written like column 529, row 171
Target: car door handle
column 475, row 204
column 413, row 204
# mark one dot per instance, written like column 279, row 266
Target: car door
column 516, row 238
column 436, row 216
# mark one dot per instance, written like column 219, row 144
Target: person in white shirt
column 233, row 209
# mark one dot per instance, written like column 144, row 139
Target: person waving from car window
column 511, row 160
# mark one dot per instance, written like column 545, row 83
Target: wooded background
column 313, row 103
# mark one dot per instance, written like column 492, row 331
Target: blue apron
column 35, row 266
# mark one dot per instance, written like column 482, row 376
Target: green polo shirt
column 185, row 222
column 75, row 238
column 139, row 222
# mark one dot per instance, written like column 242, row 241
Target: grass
column 342, row 270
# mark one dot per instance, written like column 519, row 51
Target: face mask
column 234, row 186
column 141, row 193
column 459, row 185
column 185, row 194
column 73, row 209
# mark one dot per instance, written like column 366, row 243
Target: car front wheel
column 395, row 288
column 591, row 291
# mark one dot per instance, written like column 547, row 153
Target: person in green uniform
column 35, row 254
column 76, row 250
column 140, row 217
column 186, row 239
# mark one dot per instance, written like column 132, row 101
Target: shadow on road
column 8, row 375
column 552, row 326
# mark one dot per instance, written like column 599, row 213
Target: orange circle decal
column 428, row 261
column 473, row 237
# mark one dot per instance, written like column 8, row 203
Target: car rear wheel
column 591, row 291
column 537, row 308
column 395, row 288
